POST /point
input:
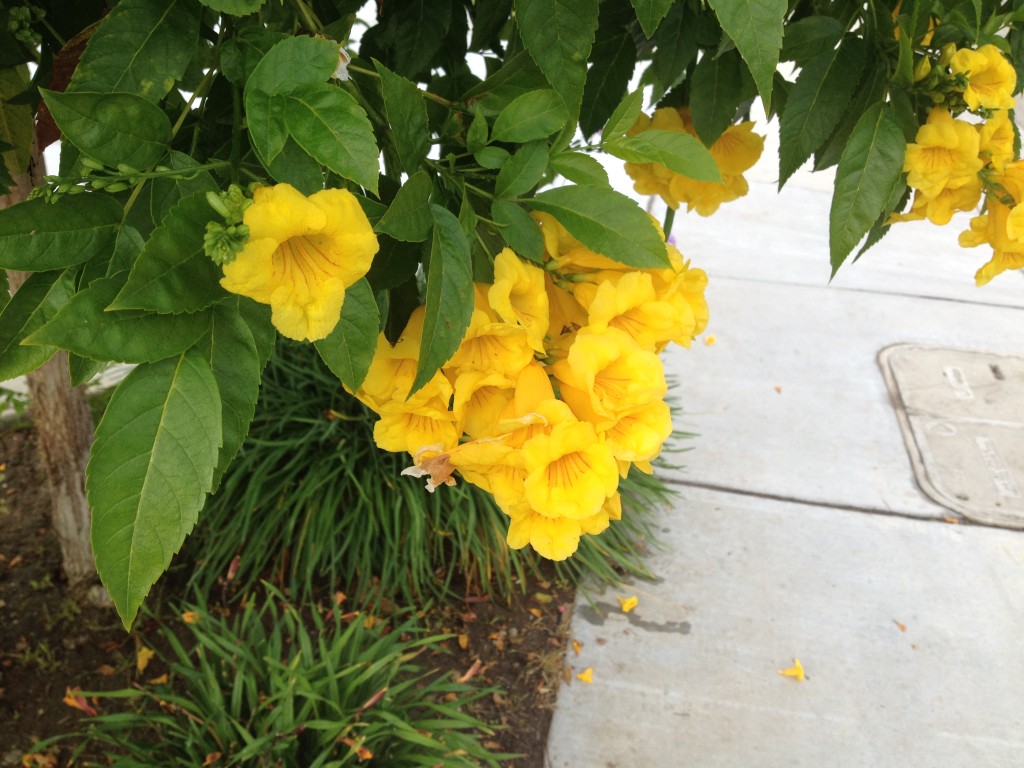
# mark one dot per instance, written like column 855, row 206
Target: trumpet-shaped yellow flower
column 940, row 209
column 570, row 472
column 422, row 420
column 638, row 436
column 551, row 537
column 631, row 304
column 606, row 375
column 301, row 255
column 991, row 78
column 393, row 369
column 996, row 136
column 1002, row 226
column 519, row 296
column 480, row 400
column 492, row 347
column 944, row 155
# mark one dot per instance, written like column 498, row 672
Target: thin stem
column 197, row 93
column 236, row 132
column 452, row 105
column 670, row 218
column 308, row 17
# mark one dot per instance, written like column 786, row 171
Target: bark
column 64, row 430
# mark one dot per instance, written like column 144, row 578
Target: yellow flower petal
column 796, row 671
column 628, row 603
column 142, row 659
column 587, row 675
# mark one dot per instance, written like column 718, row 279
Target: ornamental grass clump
column 276, row 686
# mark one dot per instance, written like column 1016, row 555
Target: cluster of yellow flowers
column 735, row 152
column 953, row 163
column 556, row 390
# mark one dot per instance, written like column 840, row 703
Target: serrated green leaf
column 141, row 47
column 407, row 114
column 331, row 127
column 523, row 170
column 84, row 327
column 82, row 370
column 871, row 88
column 559, row 35
column 348, row 350
column 127, row 248
column 112, row 127
column 489, row 16
column 173, row 274
column 257, row 317
column 294, row 63
column 580, row 168
column 676, row 150
column 169, row 192
column 676, row 45
column 234, row 7
column 150, row 468
column 816, row 103
column 408, row 218
column 449, row 300
column 38, row 300
column 409, row 35
column 809, row 37
column 607, row 222
column 230, row 350
column 294, row 166
column 265, row 122
column 240, row 54
column 756, row 27
column 650, row 13
column 518, row 230
column 624, row 116
column 899, row 197
column 717, row 90
column 614, row 57
column 36, row 236
column 534, row 115
column 870, row 167
column 17, row 124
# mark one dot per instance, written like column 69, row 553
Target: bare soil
column 51, row 640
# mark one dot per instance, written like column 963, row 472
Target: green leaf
column 234, row 7
column 150, row 468
column 476, row 136
column 230, row 351
column 869, row 169
column 607, row 222
column 676, row 150
column 676, row 42
column 169, row 192
column 614, row 57
column 407, row 114
column 899, row 197
column 756, row 27
column 257, row 317
column 489, row 16
column 173, row 273
column 534, row 115
column 292, row 64
column 37, row 301
column 17, row 124
column 650, row 13
column 872, row 87
column 127, row 248
column 816, row 103
column 559, row 35
column 492, row 157
column 449, row 299
column 624, row 116
column 114, row 128
column 331, row 127
column 294, row 166
column 810, row 36
column 579, row 168
column 240, row 54
column 81, row 370
column 408, row 218
column 410, row 34
column 519, row 230
column 142, row 47
column 36, row 236
column 128, row 336
column 523, row 170
column 349, row 349
column 717, row 90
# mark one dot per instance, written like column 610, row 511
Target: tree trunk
column 64, row 430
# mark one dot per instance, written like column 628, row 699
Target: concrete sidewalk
column 800, row 530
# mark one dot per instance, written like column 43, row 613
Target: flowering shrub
column 412, row 187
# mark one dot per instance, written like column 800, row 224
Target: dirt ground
column 51, row 640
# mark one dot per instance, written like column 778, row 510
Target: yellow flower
column 996, row 136
column 393, row 369
column 940, row 209
column 553, row 538
column 639, row 435
column 991, row 78
column 683, row 287
column 519, row 296
column 422, row 420
column 631, row 304
column 735, row 152
column 480, row 400
column 944, row 155
column 492, row 347
column 1002, row 226
column 570, row 472
column 606, row 375
column 301, row 256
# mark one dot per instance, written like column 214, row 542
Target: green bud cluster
column 223, row 242
column 20, row 19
